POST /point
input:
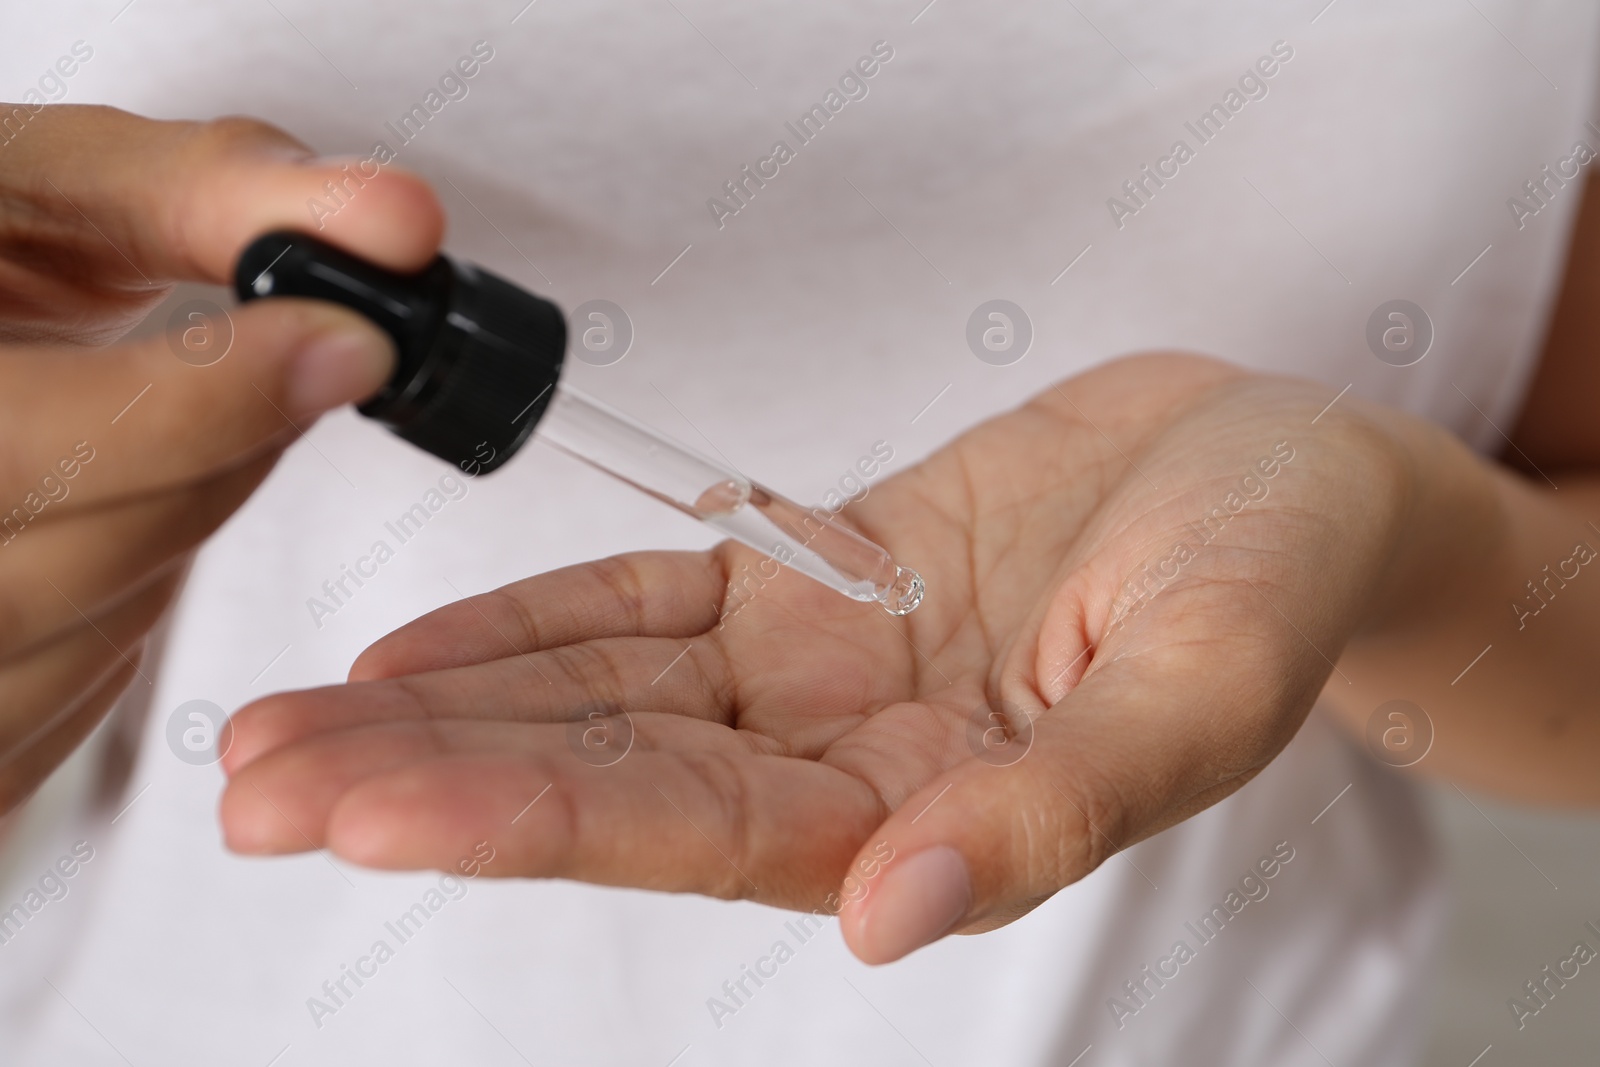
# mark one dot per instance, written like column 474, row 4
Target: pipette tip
column 905, row 594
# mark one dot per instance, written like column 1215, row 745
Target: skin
column 806, row 729
column 100, row 213
column 802, row 738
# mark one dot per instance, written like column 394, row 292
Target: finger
column 641, row 594
column 156, row 201
column 767, row 828
column 281, row 802
column 1142, row 742
column 638, row 675
column 132, row 418
column 83, row 561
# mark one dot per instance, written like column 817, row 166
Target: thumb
column 155, row 420
column 1125, row 754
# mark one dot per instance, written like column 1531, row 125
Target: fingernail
column 339, row 367
column 921, row 899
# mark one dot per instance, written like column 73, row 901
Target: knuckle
column 200, row 151
column 620, row 579
column 563, row 826
column 728, row 793
column 591, row 670
column 415, row 701
column 1090, row 828
column 233, row 134
column 1104, row 831
column 522, row 620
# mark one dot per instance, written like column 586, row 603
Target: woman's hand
column 118, row 460
column 1137, row 585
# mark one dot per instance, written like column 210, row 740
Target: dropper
column 478, row 373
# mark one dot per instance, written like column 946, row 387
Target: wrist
column 1452, row 536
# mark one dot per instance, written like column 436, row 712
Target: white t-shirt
column 985, row 158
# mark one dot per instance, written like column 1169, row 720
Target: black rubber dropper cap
column 479, row 357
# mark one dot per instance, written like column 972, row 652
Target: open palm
column 1137, row 585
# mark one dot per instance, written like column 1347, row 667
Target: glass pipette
column 478, row 372
column 809, row 540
